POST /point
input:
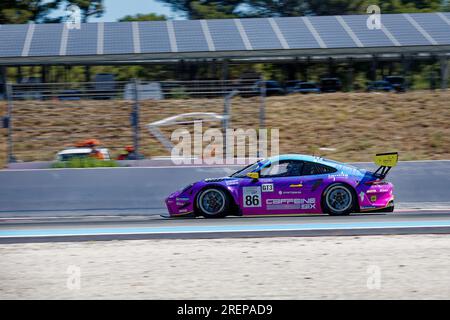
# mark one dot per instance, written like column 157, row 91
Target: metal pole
column 226, row 113
column 9, row 97
column 262, row 105
column 135, row 117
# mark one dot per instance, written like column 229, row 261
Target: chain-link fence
column 43, row 119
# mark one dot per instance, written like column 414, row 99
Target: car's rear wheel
column 338, row 200
column 213, row 203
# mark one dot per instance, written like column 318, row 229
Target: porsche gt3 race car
column 289, row 185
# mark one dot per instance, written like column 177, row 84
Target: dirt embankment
column 356, row 125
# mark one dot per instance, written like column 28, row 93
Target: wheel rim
column 212, row 202
column 339, row 199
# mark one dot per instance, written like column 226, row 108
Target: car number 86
column 252, row 196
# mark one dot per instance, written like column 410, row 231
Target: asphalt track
column 141, row 191
column 95, row 229
column 125, row 204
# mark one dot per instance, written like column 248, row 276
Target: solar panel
column 189, row 36
column 369, row 37
column 12, row 39
column 331, row 32
column 437, row 28
column 260, row 33
column 154, row 37
column 403, row 30
column 184, row 36
column 82, row 41
column 296, row 33
column 46, row 40
column 225, row 35
column 118, row 38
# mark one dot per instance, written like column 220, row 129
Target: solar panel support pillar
column 44, row 74
column 350, row 71
column 225, row 70
column 373, row 69
column 331, row 67
column 444, row 73
column 19, row 76
column 87, row 73
column 3, row 80
column 406, row 62
column 305, row 66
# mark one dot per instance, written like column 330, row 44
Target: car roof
column 340, row 166
column 303, row 157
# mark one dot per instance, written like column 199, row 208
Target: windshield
column 242, row 173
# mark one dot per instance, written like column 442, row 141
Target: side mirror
column 253, row 175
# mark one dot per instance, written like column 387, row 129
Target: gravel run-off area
column 368, row 267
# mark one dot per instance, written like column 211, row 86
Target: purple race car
column 289, row 184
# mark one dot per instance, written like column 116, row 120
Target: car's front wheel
column 338, row 200
column 213, row 203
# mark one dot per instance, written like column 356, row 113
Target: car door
column 277, row 191
column 297, row 190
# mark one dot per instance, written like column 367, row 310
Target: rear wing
column 385, row 161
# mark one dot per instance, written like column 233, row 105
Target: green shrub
column 84, row 162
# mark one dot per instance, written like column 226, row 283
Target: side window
column 311, row 168
column 284, row 168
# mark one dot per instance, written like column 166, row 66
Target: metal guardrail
column 148, row 90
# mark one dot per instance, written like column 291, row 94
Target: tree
column 88, row 8
column 23, row 11
column 38, row 11
column 408, row 6
column 144, row 17
column 205, row 9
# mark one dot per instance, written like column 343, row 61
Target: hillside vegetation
column 356, row 125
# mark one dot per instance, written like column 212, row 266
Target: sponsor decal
column 232, row 182
column 290, row 192
column 338, row 175
column 373, row 198
column 290, row 204
column 371, row 191
column 361, row 196
column 182, row 199
column 252, row 197
column 267, row 187
column 182, row 211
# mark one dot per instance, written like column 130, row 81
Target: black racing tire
column 339, row 199
column 213, row 203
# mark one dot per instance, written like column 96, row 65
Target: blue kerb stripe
column 235, row 228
